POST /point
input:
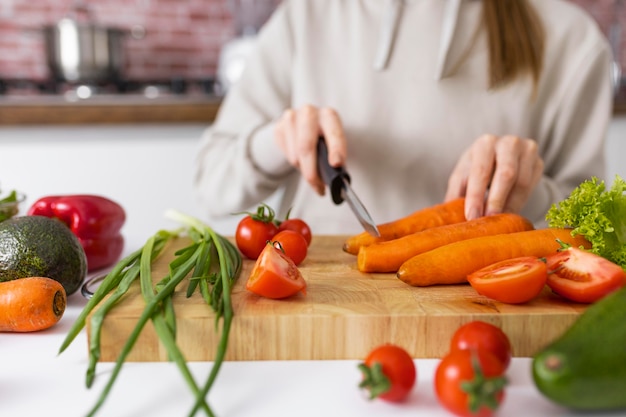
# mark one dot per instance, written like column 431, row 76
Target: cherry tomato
column 470, row 382
column 275, row 275
column 293, row 244
column 512, row 281
column 389, row 373
column 583, row 276
column 297, row 225
column 254, row 231
column 482, row 335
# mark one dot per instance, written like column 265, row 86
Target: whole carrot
column 452, row 263
column 445, row 213
column 389, row 255
column 31, row 304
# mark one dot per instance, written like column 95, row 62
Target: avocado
column 585, row 368
column 44, row 247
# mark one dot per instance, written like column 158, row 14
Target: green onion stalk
column 212, row 264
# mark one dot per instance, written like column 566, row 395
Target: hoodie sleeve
column 574, row 151
column 238, row 164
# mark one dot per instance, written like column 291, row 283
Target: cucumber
column 585, row 368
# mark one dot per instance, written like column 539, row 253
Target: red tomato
column 583, row 276
column 482, row 335
column 252, row 235
column 275, row 275
column 482, row 371
column 297, row 225
column 389, row 373
column 293, row 244
column 512, row 281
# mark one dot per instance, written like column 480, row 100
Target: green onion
column 214, row 264
column 229, row 268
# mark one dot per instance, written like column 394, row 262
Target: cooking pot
column 79, row 50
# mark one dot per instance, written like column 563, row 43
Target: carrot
column 31, row 304
column 452, row 263
column 389, row 255
column 445, row 213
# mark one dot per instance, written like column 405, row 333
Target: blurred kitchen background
column 149, row 41
column 172, row 40
column 125, row 121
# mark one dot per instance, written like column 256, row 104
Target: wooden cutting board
column 344, row 314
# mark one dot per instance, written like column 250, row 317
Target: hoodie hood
column 389, row 28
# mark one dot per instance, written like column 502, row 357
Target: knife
column 338, row 181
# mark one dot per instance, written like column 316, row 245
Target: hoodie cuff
column 265, row 154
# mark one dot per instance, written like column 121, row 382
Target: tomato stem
column 374, row 379
column 564, row 245
column 264, row 213
column 482, row 391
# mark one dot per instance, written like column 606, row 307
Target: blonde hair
column 516, row 41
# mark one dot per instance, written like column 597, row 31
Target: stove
column 153, row 89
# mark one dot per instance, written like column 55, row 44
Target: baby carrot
column 445, row 213
column 452, row 263
column 31, row 304
column 389, row 255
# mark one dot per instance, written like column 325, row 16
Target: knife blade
column 338, row 181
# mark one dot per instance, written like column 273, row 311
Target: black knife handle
column 333, row 177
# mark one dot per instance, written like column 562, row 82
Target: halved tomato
column 512, row 281
column 275, row 275
column 583, row 276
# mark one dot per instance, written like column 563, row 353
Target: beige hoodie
column 391, row 69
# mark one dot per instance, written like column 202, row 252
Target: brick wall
column 611, row 16
column 182, row 37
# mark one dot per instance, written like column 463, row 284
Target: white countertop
column 36, row 381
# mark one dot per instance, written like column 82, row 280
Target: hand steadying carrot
column 452, row 263
column 445, row 213
column 388, row 256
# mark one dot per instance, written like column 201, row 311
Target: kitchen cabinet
column 147, row 168
column 56, row 110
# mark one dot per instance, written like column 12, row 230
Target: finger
column 505, row 176
column 308, row 130
column 336, row 142
column 480, row 173
column 531, row 171
column 457, row 183
column 285, row 134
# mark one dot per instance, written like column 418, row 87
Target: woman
column 504, row 102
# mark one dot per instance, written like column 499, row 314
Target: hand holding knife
column 338, row 182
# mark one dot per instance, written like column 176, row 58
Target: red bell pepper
column 96, row 221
